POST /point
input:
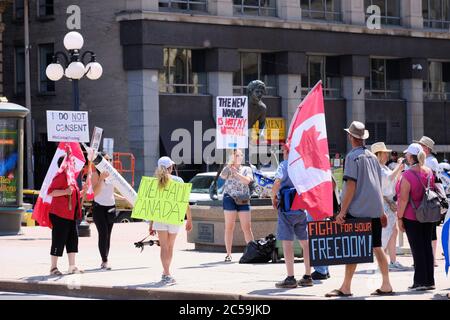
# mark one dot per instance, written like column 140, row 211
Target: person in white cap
column 411, row 190
column 432, row 163
column 362, row 198
column 167, row 233
column 389, row 179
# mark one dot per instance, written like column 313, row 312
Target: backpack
column 429, row 209
column 259, row 251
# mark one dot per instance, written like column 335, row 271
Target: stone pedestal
column 209, row 227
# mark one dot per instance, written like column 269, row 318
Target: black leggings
column 64, row 234
column 104, row 221
column 419, row 238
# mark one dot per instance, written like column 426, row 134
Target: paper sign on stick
column 232, row 122
column 96, row 138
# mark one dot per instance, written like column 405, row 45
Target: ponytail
column 421, row 158
column 163, row 176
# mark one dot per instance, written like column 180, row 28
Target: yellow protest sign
column 166, row 205
column 275, row 130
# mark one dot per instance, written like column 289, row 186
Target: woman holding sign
column 167, row 233
column 236, row 199
column 104, row 211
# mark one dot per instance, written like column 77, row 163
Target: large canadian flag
column 309, row 161
column 42, row 207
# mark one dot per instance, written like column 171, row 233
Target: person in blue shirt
column 290, row 224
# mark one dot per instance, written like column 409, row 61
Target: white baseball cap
column 165, row 162
column 414, row 149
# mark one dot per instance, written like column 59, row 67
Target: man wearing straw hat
column 362, row 198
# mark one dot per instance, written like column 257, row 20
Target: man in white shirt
column 432, row 163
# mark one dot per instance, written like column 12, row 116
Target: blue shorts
column 230, row 205
column 290, row 224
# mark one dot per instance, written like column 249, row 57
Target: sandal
column 337, row 293
column 75, row 270
column 55, row 272
column 379, row 292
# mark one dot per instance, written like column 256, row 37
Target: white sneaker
column 169, row 280
column 396, row 266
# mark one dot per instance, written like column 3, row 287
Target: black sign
column 205, row 232
column 334, row 244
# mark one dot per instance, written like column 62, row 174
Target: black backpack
column 259, row 251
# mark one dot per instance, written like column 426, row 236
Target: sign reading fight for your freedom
column 232, row 122
column 67, row 126
column 166, row 205
column 334, row 244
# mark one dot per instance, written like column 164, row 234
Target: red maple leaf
column 313, row 151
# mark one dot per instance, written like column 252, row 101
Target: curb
column 124, row 293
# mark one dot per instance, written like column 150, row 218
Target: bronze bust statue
column 256, row 108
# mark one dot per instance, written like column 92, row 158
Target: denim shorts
column 290, row 224
column 230, row 205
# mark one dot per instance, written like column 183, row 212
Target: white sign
column 67, row 126
column 232, row 122
column 108, row 146
column 96, row 138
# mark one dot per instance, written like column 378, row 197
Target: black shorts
column 64, row 234
column 376, row 230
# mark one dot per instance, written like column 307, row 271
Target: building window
column 46, row 52
column 19, row 61
column 390, row 10
column 384, row 80
column 437, row 87
column 45, row 8
column 18, row 9
column 183, row 5
column 178, row 76
column 436, row 14
column 329, row 10
column 377, row 131
column 325, row 69
column 255, row 66
column 265, row 8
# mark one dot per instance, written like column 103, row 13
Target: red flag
column 309, row 161
column 75, row 164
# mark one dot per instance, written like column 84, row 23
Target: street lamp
column 74, row 69
column 74, row 65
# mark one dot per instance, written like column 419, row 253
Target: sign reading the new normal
column 67, row 126
column 333, row 244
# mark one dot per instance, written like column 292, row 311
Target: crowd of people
column 396, row 187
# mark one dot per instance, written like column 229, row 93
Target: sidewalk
column 200, row 275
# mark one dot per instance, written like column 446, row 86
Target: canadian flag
column 42, row 207
column 309, row 161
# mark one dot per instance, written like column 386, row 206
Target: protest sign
column 334, row 244
column 67, row 126
column 232, row 122
column 96, row 138
column 166, row 205
column 108, row 146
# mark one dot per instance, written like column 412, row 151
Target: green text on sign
column 166, row 205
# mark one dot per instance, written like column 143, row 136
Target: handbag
column 241, row 199
column 429, row 209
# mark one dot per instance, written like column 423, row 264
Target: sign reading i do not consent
column 67, row 126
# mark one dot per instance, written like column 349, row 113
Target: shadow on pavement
column 279, row 292
column 210, row 265
column 159, row 284
column 42, row 278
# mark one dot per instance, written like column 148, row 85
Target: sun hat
column 427, row 142
column 358, row 130
column 379, row 147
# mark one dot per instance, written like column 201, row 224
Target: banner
column 166, row 205
column 9, row 162
column 232, row 122
column 334, row 244
column 67, row 126
column 275, row 131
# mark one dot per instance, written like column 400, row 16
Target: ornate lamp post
column 74, row 69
